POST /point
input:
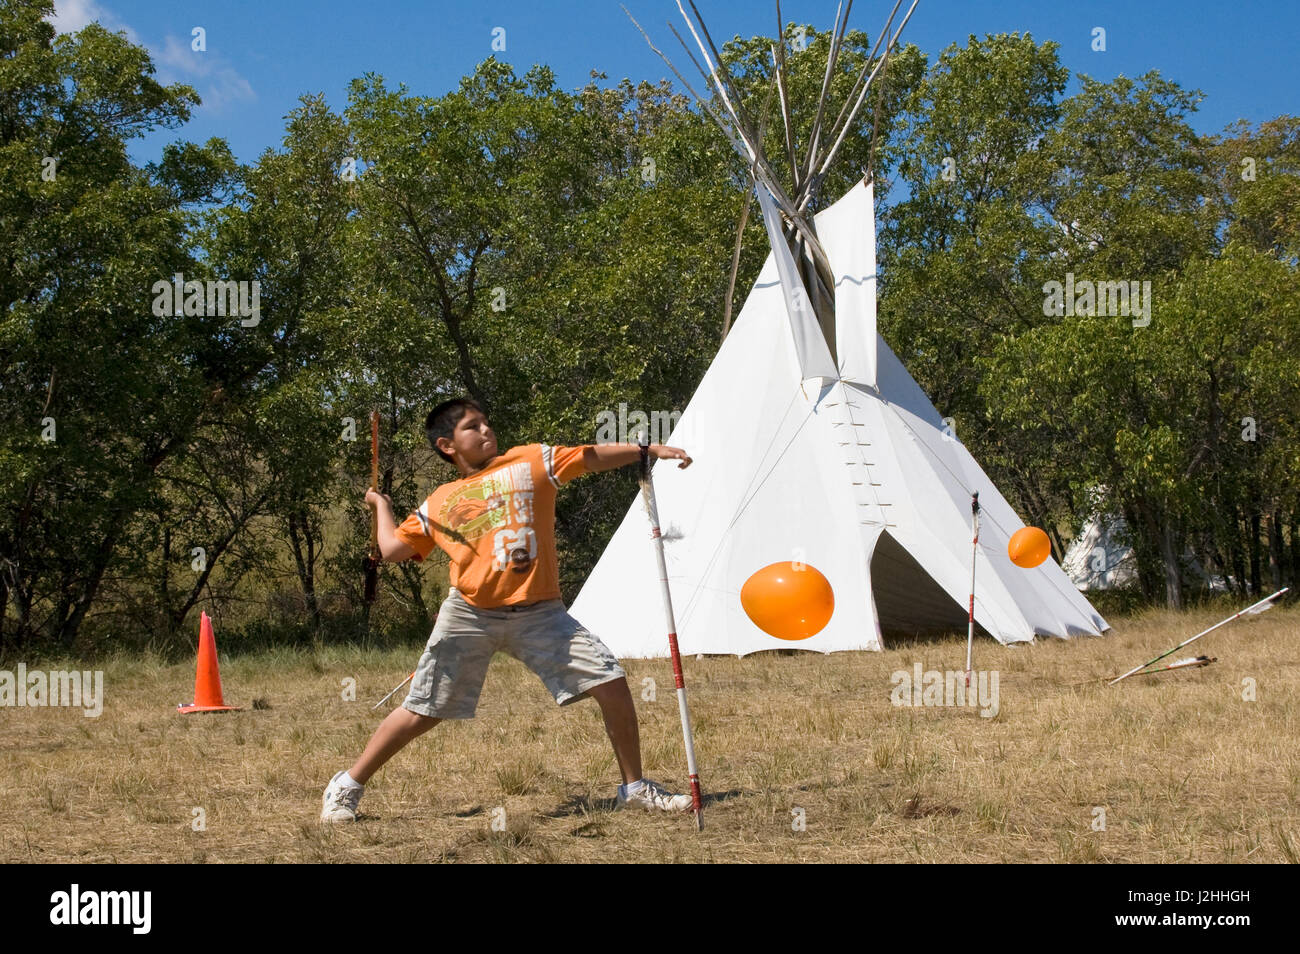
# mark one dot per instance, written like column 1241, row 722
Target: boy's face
column 473, row 440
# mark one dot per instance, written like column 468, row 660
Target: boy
column 497, row 525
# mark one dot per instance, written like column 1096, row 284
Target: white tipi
column 1101, row 558
column 1097, row 559
column 812, row 442
column 840, row 463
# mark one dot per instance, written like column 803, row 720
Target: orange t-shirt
column 498, row 526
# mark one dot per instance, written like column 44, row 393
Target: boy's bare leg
column 399, row 728
column 615, row 701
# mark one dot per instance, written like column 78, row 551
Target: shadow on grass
column 577, row 805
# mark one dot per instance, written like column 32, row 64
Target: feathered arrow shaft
column 1260, row 607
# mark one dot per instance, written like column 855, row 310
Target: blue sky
column 261, row 56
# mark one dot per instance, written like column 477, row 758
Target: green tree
column 963, row 256
column 99, row 391
column 1258, row 170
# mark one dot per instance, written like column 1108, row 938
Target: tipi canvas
column 827, row 455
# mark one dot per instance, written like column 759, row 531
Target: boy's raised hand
column 661, row 452
column 373, row 497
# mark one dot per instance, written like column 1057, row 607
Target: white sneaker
column 340, row 802
column 652, row 797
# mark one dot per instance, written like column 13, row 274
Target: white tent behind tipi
column 1098, row 558
column 1101, row 558
column 841, row 463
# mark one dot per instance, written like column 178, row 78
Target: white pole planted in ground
column 1265, row 604
column 975, row 549
column 648, row 496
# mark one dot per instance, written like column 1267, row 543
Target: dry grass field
column 1184, row 767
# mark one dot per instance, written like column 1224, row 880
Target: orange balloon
column 1029, row 547
column 788, row 601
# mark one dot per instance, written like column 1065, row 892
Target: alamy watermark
column 212, row 297
column 58, row 687
column 1107, row 299
column 75, row 906
column 934, row 688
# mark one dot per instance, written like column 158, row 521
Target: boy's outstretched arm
column 393, row 549
column 600, row 457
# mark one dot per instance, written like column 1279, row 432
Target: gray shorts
column 543, row 636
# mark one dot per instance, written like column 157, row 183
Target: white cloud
column 71, row 15
column 219, row 84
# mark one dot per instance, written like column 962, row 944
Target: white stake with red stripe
column 652, row 510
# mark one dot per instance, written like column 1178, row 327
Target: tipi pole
column 778, row 73
column 734, row 125
column 1255, row 608
column 830, row 155
column 975, row 549
column 837, row 39
column 812, row 154
column 648, row 496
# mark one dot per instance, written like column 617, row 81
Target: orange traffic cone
column 207, row 680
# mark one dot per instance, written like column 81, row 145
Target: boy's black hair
column 442, row 421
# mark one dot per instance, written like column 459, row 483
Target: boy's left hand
column 660, row 452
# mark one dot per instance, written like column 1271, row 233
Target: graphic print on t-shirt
column 498, row 526
column 500, row 503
